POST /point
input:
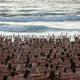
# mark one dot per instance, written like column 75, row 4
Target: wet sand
column 36, row 55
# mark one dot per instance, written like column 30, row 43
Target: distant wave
column 32, row 28
column 41, row 18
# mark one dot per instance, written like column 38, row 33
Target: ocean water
column 40, row 17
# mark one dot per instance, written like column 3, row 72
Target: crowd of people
column 39, row 58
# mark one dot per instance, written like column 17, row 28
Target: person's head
column 22, row 71
column 5, row 77
column 46, row 65
column 48, row 56
column 51, row 75
column 30, row 65
column 67, row 55
column 29, row 71
column 35, row 56
column 59, row 73
column 33, row 65
column 50, row 60
column 12, row 55
column 73, row 70
column 65, row 69
column 18, row 68
column 45, row 71
column 57, row 67
column 71, row 60
column 14, row 69
column 27, row 62
column 12, row 73
column 51, row 66
column 8, row 57
column 19, row 57
column 9, row 64
column 26, row 66
column 2, row 62
column 26, row 74
column 63, row 59
column 30, row 55
column 22, row 54
column 73, row 65
column 54, row 56
column 78, row 73
column 62, row 53
column 39, row 63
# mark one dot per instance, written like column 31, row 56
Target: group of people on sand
column 39, row 58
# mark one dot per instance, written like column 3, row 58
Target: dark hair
column 48, row 56
column 59, row 73
column 67, row 54
column 46, row 65
column 22, row 71
column 5, row 77
column 63, row 59
column 29, row 71
column 8, row 57
column 73, row 69
column 30, row 65
column 39, row 63
column 65, row 69
column 71, row 60
column 8, row 51
column 28, row 58
column 57, row 51
column 45, row 71
column 15, row 49
column 12, row 73
column 22, row 54
column 9, row 65
column 62, row 53
column 51, row 75
column 14, row 69
column 78, row 54
column 24, row 59
column 73, row 65
column 70, row 51
column 57, row 67
column 74, row 53
column 51, row 66
column 30, row 55
column 26, row 74
column 27, row 62
column 46, row 59
column 54, row 46
column 1, row 62
column 65, row 49
column 35, row 56
column 9, row 68
column 5, row 62
column 26, row 66
column 12, row 55
column 50, row 60
column 54, row 56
